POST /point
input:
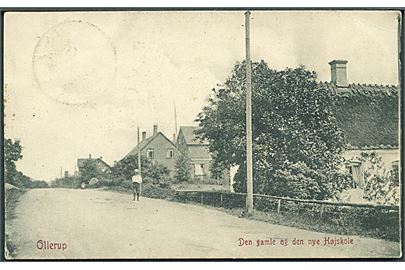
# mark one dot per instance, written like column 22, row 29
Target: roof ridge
column 189, row 126
column 142, row 144
column 362, row 84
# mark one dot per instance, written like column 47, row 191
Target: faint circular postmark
column 73, row 62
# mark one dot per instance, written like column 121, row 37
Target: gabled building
column 369, row 116
column 198, row 153
column 100, row 164
column 158, row 149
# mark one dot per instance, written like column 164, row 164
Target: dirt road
column 95, row 224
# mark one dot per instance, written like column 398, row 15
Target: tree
column 297, row 144
column 39, row 184
column 182, row 168
column 125, row 167
column 12, row 153
column 157, row 173
column 153, row 172
column 89, row 170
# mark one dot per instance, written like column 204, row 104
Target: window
column 199, row 170
column 395, row 165
column 395, row 170
column 150, row 153
column 170, row 153
column 356, row 170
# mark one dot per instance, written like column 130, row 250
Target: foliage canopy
column 297, row 143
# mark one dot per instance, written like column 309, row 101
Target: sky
column 80, row 83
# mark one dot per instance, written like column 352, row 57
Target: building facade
column 369, row 116
column 200, row 158
column 197, row 152
column 101, row 166
column 158, row 149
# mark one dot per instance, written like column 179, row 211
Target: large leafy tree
column 297, row 144
column 89, row 170
column 13, row 153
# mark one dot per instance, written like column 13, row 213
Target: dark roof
column 145, row 143
column 362, row 89
column 368, row 115
column 141, row 145
column 190, row 136
column 81, row 161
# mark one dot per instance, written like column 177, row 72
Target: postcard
column 202, row 134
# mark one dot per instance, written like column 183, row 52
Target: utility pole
column 139, row 155
column 400, row 52
column 249, row 148
column 400, row 82
column 175, row 119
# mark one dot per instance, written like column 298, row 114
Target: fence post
column 221, row 200
column 202, row 198
column 321, row 213
column 278, row 206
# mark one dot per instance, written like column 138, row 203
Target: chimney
column 143, row 135
column 155, row 129
column 89, row 156
column 338, row 71
column 174, row 138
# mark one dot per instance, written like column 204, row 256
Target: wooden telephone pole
column 139, row 155
column 249, row 148
column 175, row 118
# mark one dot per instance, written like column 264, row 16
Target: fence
column 366, row 216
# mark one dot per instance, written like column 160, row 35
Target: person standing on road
column 136, row 184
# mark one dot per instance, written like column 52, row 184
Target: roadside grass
column 199, row 187
column 12, row 197
column 290, row 219
column 304, row 222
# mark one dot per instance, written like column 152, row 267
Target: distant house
column 101, row 165
column 198, row 153
column 158, row 149
column 368, row 115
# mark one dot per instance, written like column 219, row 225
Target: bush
column 382, row 186
column 107, row 182
column 155, row 177
column 127, row 184
column 210, row 181
column 157, row 191
column 295, row 180
column 157, row 174
column 11, row 196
